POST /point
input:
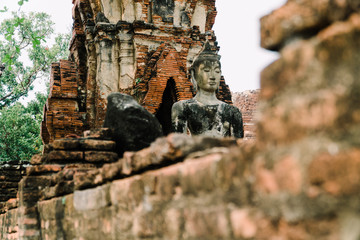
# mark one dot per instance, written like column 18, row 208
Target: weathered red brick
column 100, row 157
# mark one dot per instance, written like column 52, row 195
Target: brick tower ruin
column 139, row 47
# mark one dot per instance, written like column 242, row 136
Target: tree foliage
column 24, row 57
column 20, row 129
column 25, row 36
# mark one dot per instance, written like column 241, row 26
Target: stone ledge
column 164, row 151
column 83, row 144
column 80, row 150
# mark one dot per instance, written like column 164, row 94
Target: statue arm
column 178, row 119
column 237, row 124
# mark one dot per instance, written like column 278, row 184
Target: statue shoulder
column 178, row 107
column 231, row 110
column 182, row 103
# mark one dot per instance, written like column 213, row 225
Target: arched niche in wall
column 164, row 112
column 168, row 66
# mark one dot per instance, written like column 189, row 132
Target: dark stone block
column 134, row 128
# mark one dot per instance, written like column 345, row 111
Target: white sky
column 236, row 27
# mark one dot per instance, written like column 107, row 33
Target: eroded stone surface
column 133, row 127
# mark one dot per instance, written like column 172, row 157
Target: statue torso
column 209, row 120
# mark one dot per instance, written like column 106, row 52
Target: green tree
column 26, row 35
column 25, row 57
column 20, row 129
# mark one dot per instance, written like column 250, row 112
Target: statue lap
column 220, row 120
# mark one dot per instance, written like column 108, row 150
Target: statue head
column 206, row 70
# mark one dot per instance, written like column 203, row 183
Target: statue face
column 208, row 76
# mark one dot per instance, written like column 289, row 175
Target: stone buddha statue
column 205, row 114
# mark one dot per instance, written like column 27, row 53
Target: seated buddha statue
column 205, row 114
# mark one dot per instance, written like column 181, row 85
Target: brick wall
column 170, row 203
column 11, row 173
column 247, row 102
column 62, row 114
